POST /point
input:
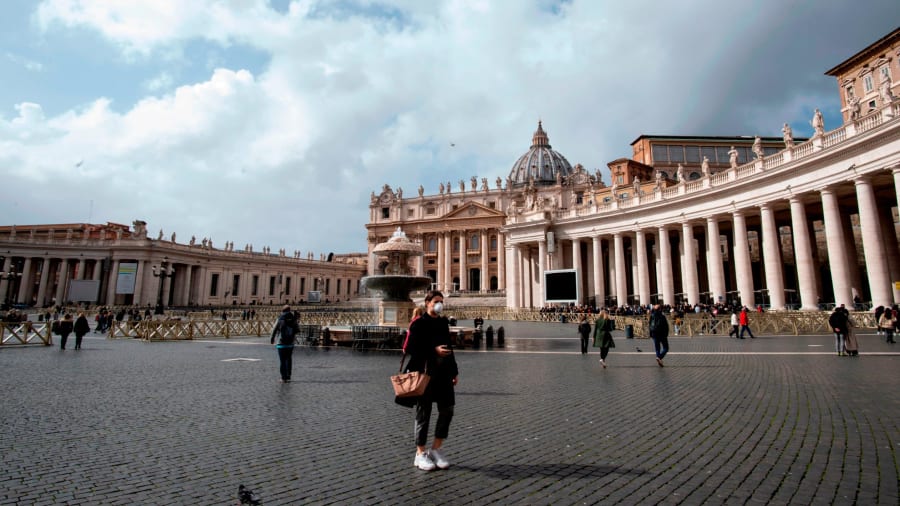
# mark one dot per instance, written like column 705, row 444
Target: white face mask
column 438, row 307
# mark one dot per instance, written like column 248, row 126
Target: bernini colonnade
column 696, row 241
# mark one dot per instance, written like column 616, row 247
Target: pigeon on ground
column 637, row 349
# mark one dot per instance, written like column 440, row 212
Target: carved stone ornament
column 140, row 229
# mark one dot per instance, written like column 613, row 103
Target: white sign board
column 126, row 277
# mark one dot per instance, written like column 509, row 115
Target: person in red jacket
column 745, row 323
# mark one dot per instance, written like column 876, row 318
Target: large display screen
column 561, row 286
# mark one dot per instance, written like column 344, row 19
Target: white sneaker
column 423, row 462
column 603, row 363
column 439, row 460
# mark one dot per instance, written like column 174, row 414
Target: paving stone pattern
column 774, row 420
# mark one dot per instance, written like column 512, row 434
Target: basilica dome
column 540, row 162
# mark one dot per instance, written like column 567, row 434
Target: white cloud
column 357, row 94
column 31, row 65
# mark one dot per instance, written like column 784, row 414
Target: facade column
column 448, row 262
column 850, row 247
column 25, row 283
column 439, row 261
column 541, row 266
column 139, row 282
column 742, row 272
column 511, row 289
column 4, row 281
column 806, row 275
column 576, row 264
column 463, row 257
column 501, row 261
column 715, row 269
column 665, row 267
column 599, row 294
column 44, row 283
column 527, row 285
column 893, row 251
column 621, row 283
column 837, row 257
column 98, row 266
column 169, row 283
column 689, row 261
column 772, row 257
column 643, row 277
column 485, row 256
column 81, row 264
column 62, row 281
column 873, row 247
column 113, row 277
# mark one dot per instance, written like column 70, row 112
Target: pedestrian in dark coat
column 584, row 330
column 603, row 327
column 65, row 328
column 659, row 332
column 81, row 328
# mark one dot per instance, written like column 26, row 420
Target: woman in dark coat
column 584, row 330
column 81, row 328
column 65, row 328
column 429, row 351
column 603, row 335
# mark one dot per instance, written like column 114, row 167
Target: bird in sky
column 452, row 145
column 79, row 163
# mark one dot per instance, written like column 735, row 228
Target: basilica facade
column 784, row 223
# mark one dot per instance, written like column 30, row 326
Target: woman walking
column 429, row 351
column 603, row 335
column 81, row 328
column 65, row 328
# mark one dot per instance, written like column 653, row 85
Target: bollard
column 489, row 337
column 629, row 331
column 501, row 336
column 476, row 338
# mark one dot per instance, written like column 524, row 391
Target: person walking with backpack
column 286, row 329
column 659, row 332
column 81, row 328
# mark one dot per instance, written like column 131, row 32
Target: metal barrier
column 25, row 333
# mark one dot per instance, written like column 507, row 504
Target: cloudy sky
column 271, row 121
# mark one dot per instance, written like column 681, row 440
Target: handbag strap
column 403, row 358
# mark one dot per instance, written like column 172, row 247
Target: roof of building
column 862, row 55
column 740, row 139
column 541, row 163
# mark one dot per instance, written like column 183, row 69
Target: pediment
column 474, row 210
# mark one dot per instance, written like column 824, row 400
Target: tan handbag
column 409, row 384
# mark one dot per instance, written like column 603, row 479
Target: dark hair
column 432, row 294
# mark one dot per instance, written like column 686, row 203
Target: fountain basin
column 395, row 287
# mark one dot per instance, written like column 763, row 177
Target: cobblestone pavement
column 772, row 420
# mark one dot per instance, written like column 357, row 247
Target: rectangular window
column 455, row 207
column 271, row 286
column 868, row 83
column 327, row 286
column 708, row 152
column 429, row 210
column 692, row 154
column 660, row 154
column 385, row 212
column 579, row 198
column 410, row 212
column 214, row 286
column 744, row 155
column 769, row 151
column 302, row 286
column 287, row 285
column 235, row 284
column 492, row 204
column 254, row 285
column 620, row 179
column 722, row 154
column 676, row 153
column 885, row 73
column 348, row 287
column 337, row 287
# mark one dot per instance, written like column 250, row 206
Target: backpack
column 55, row 327
column 288, row 329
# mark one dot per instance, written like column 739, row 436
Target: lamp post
column 162, row 271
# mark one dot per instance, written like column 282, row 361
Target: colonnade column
column 891, row 248
column 186, row 290
column 643, row 281
column 576, row 264
column 113, row 277
column 715, row 269
column 876, row 257
column 501, row 261
column 4, row 281
column 806, row 276
column 485, row 256
column 689, row 261
column 665, row 267
column 837, row 257
column 25, row 283
column 599, row 295
column 44, row 282
column 139, row 281
column 772, row 257
column 742, row 273
column 81, row 265
column 511, row 289
column 98, row 266
column 621, row 284
column 62, row 281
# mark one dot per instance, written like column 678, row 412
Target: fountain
column 394, row 279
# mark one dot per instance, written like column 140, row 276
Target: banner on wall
column 126, row 277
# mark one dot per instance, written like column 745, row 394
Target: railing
column 867, row 123
column 22, row 333
column 803, row 150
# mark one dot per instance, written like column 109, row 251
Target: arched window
column 473, row 241
column 432, row 245
column 493, row 243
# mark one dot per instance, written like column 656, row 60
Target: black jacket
column 425, row 334
column 82, row 326
column 839, row 321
